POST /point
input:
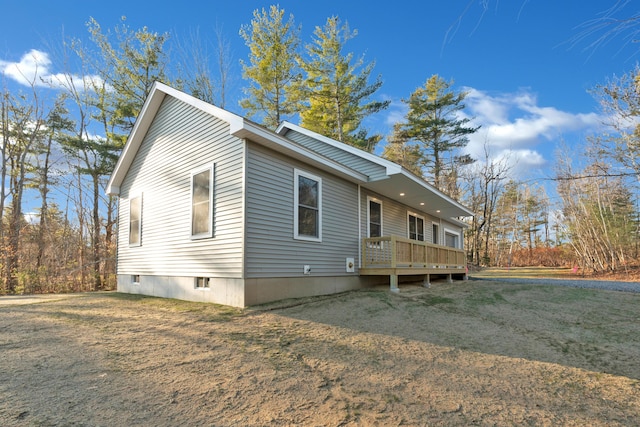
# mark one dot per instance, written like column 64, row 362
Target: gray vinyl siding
column 271, row 250
column 369, row 168
column 181, row 139
column 395, row 216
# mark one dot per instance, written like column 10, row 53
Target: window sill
column 308, row 238
column 201, row 236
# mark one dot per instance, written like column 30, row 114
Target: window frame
column 378, row 201
column 206, row 283
column 131, row 200
column 210, row 220
column 454, row 234
column 296, row 206
column 417, row 216
column 435, row 237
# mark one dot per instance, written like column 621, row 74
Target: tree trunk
column 44, row 206
column 95, row 235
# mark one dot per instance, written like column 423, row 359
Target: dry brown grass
column 629, row 274
column 468, row 353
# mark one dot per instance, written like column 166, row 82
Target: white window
column 435, row 232
column 307, row 216
column 202, row 202
column 202, row 283
column 374, row 217
column 451, row 239
column 415, row 227
column 135, row 220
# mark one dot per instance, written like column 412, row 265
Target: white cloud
column 28, row 70
column 396, row 113
column 528, row 158
column 32, row 217
column 515, row 130
column 515, row 122
column 34, row 69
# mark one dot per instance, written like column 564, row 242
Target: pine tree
column 129, row 63
column 272, row 70
column 123, row 70
column 403, row 152
column 433, row 122
column 337, row 88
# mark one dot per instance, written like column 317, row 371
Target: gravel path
column 575, row 283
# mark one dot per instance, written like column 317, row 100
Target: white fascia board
column 144, row 120
column 147, row 113
column 434, row 190
column 238, row 126
column 459, row 222
column 235, row 121
column 246, row 129
column 392, row 168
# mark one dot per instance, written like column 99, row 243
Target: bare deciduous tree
column 484, row 184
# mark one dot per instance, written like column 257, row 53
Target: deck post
column 393, row 282
column 426, row 283
column 449, row 278
column 394, row 248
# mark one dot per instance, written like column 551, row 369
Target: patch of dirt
column 455, row 354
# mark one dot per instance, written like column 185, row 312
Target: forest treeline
column 61, row 135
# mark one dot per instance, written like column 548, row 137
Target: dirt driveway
column 474, row 353
column 33, row 299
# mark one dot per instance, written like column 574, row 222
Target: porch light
column 401, row 194
column 421, row 203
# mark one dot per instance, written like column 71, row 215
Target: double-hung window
column 416, row 227
column 202, row 202
column 135, row 220
column 307, row 206
column 374, row 217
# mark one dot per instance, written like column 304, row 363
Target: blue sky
column 528, row 84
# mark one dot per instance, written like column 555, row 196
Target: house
column 216, row 208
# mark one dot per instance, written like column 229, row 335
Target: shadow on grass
column 208, row 311
column 584, row 328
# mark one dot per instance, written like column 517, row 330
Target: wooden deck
column 395, row 256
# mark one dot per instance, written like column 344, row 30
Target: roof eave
column 391, row 167
column 438, row 192
column 265, row 137
column 144, row 120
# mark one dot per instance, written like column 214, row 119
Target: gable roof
column 238, row 126
column 370, row 171
column 397, row 182
column 374, row 166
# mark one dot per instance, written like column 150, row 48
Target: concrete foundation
column 243, row 292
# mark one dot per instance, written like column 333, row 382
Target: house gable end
column 146, row 117
column 238, row 126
